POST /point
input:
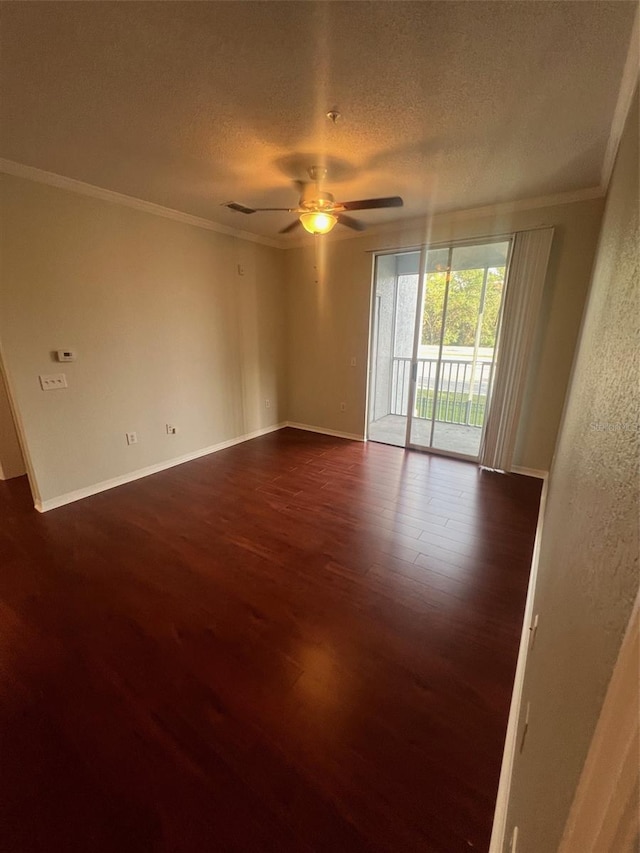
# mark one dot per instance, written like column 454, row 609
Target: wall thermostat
column 66, row 355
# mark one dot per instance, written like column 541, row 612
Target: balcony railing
column 462, row 394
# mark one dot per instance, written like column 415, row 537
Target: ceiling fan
column 318, row 212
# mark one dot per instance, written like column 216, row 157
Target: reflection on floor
column 298, row 644
column 452, row 437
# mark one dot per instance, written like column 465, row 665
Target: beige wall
column 11, row 462
column 588, row 570
column 165, row 329
column 329, row 318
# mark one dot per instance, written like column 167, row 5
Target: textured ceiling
column 188, row 105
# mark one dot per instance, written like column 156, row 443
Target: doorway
column 435, row 323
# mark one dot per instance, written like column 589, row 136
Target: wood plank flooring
column 297, row 644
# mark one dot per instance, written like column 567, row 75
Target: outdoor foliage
column 465, row 289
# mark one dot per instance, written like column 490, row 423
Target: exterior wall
column 385, row 294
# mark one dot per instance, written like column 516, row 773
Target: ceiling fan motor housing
column 313, row 199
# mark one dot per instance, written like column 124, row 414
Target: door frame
column 424, row 249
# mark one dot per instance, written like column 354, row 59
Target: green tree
column 493, row 300
column 433, row 302
column 465, row 290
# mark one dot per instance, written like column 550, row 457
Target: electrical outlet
column 267, row 404
column 171, row 430
column 343, row 407
column 353, row 361
column 132, row 437
column 52, row 381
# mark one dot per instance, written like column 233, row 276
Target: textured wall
column 329, row 298
column 165, row 328
column 588, row 572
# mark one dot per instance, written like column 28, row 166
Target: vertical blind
column 523, row 296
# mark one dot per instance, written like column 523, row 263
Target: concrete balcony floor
column 454, row 438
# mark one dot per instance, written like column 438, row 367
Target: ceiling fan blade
column 350, row 222
column 370, row 203
column 291, row 227
column 233, row 205
column 241, row 208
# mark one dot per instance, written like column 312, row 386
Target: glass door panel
column 394, row 311
column 474, row 287
column 427, row 354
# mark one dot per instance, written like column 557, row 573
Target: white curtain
column 527, row 272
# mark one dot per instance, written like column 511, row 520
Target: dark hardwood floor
column 297, row 644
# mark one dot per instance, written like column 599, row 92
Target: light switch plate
column 52, row 381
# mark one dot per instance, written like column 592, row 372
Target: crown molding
column 31, row 173
column 628, row 86
column 491, row 210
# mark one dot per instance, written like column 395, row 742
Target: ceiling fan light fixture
column 318, row 222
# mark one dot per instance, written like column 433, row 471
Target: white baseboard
column 87, row 491
column 325, row 431
column 530, row 472
column 497, row 844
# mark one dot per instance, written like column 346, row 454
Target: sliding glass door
column 433, row 346
column 395, row 297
